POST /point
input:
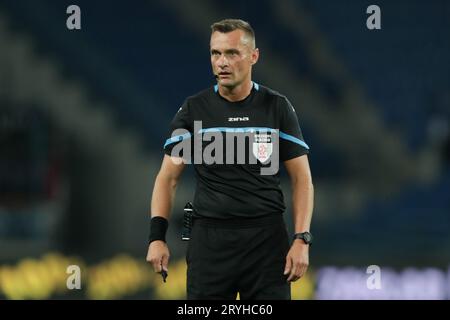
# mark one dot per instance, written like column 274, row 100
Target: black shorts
column 238, row 256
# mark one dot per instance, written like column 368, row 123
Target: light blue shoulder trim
column 293, row 139
column 177, row 139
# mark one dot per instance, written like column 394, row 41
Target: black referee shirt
column 228, row 187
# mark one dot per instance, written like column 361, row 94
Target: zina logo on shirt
column 234, row 119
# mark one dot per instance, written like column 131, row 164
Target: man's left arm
column 297, row 259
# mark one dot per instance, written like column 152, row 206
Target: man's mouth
column 224, row 74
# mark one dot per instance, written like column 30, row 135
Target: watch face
column 307, row 237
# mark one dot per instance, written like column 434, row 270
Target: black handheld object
column 164, row 274
column 187, row 222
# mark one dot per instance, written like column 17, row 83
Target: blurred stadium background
column 84, row 115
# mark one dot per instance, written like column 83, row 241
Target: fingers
column 288, row 266
column 291, row 269
column 305, row 268
column 297, row 271
column 160, row 263
column 156, row 263
column 293, row 275
column 165, row 263
column 158, row 257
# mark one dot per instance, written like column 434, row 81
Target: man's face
column 232, row 57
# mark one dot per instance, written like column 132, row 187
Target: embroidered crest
column 262, row 146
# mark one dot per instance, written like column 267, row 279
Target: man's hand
column 297, row 260
column 158, row 255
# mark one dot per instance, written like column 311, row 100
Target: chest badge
column 262, row 146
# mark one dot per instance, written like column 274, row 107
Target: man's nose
column 223, row 61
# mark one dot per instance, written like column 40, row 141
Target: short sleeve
column 292, row 144
column 180, row 128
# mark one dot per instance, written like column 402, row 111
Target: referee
column 239, row 241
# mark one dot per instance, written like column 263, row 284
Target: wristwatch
column 305, row 236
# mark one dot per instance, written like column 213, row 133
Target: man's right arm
column 161, row 206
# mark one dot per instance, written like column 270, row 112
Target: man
column 239, row 243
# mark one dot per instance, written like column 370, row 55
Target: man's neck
column 237, row 93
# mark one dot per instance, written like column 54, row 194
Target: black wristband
column 158, row 229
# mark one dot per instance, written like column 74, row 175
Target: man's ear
column 255, row 56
